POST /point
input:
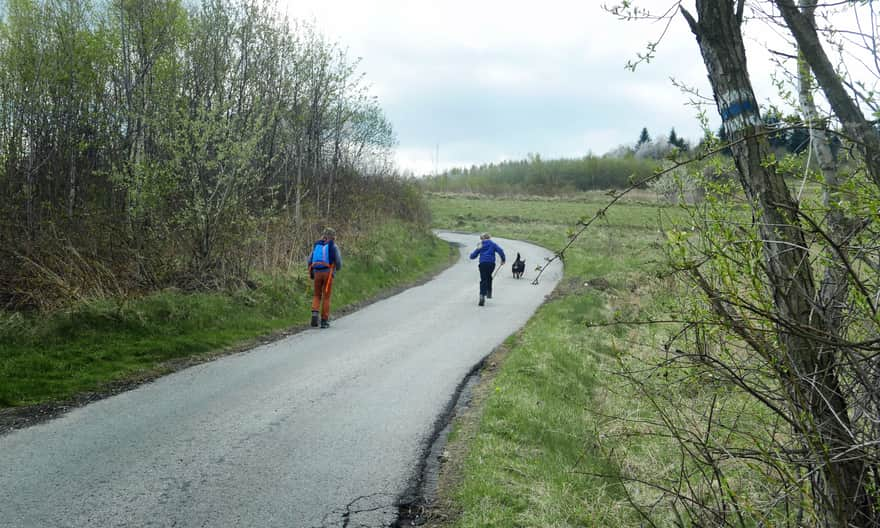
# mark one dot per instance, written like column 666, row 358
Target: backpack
column 321, row 256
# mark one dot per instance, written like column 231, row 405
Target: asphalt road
column 323, row 428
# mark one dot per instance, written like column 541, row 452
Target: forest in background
column 155, row 143
column 543, row 177
column 617, row 169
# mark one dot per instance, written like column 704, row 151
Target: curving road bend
column 323, row 428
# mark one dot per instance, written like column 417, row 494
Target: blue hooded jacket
column 486, row 250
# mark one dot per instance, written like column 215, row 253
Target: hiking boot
column 325, row 323
column 315, row 319
column 482, row 300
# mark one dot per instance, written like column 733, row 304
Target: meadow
column 559, row 432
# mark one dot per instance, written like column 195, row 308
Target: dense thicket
column 550, row 177
column 768, row 389
column 151, row 142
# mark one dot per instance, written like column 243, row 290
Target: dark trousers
column 486, row 269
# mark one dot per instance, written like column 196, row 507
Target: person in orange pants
column 324, row 261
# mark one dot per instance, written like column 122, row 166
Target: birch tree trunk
column 802, row 26
column 833, row 290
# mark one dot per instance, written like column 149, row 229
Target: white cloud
column 490, row 80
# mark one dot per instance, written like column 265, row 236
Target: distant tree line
column 616, row 169
column 786, row 133
column 645, row 147
column 535, row 175
column 160, row 141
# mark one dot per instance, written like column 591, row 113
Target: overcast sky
column 491, row 80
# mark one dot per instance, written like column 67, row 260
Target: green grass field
column 56, row 356
column 539, row 454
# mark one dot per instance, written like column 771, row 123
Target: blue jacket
column 335, row 257
column 486, row 250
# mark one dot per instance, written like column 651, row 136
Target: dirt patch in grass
column 577, row 286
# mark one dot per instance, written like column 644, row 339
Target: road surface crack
column 346, row 513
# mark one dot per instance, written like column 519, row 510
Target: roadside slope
column 52, row 362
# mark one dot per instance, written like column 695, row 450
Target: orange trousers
column 323, row 289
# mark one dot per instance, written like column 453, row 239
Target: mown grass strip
column 56, row 356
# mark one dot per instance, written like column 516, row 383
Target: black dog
column 518, row 267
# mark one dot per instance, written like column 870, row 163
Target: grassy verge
column 56, row 356
column 538, row 454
